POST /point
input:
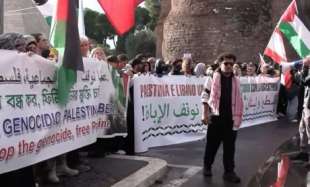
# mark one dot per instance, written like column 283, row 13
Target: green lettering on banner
column 84, row 93
column 49, row 97
column 15, row 101
column 245, row 88
column 73, row 96
column 96, row 92
column 31, row 100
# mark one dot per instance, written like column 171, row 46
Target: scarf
column 237, row 103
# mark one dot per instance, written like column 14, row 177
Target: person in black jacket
column 304, row 125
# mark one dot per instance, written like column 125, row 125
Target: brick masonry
column 206, row 28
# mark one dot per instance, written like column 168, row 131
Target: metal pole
column 1, row 16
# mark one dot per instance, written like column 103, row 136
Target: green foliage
column 153, row 6
column 141, row 42
column 138, row 39
column 97, row 26
column 142, row 18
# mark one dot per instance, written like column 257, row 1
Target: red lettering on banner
column 82, row 131
column 186, row 90
column 25, row 147
column 172, row 90
column 7, row 153
column 56, row 138
column 154, row 90
column 99, row 125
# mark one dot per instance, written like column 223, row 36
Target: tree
column 142, row 18
column 141, row 42
column 153, row 6
column 98, row 27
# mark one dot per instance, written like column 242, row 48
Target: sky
column 47, row 9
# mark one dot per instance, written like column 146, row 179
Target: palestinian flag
column 65, row 38
column 121, row 13
column 295, row 24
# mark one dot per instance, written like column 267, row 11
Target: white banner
column 34, row 127
column 168, row 109
column 260, row 97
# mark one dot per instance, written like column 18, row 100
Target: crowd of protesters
column 74, row 162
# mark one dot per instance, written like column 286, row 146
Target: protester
column 13, row 41
column 187, row 67
column 292, row 96
column 225, row 101
column 122, row 61
column 53, row 56
column 264, row 70
column 176, row 67
column 237, row 70
column 128, row 70
column 152, row 61
column 113, row 61
column 31, row 44
column 301, row 95
column 84, row 46
column 147, row 68
column 160, row 68
column 200, row 70
column 98, row 53
column 137, row 66
column 23, row 176
column 304, row 125
column 42, row 44
column 209, row 71
column 243, row 69
column 272, row 72
column 76, row 159
column 251, row 69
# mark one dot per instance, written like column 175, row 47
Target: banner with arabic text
column 260, row 97
column 35, row 128
column 168, row 109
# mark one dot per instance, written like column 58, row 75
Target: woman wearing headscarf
column 98, row 53
column 200, row 70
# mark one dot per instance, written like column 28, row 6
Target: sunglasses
column 228, row 63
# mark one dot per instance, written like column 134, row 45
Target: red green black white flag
column 65, row 38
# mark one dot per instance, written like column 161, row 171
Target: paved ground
column 254, row 146
column 105, row 172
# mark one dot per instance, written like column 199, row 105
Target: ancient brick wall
column 206, row 28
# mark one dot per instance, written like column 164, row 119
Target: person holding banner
column 222, row 97
column 23, row 176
